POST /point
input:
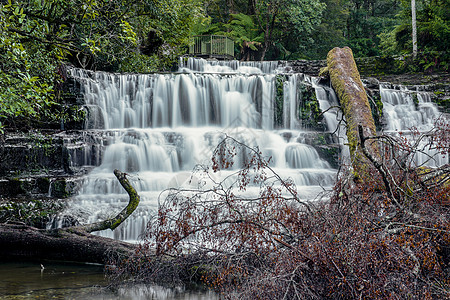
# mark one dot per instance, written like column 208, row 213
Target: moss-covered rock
column 33, row 212
column 310, row 113
column 63, row 188
column 279, row 99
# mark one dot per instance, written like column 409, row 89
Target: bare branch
column 124, row 214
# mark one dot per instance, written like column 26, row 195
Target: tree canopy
column 37, row 36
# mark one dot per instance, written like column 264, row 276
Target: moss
column 73, row 117
column 376, row 106
column 61, row 188
column 442, row 101
column 324, row 72
column 319, row 139
column 43, row 184
column 43, row 152
column 15, row 187
column 34, row 212
column 279, row 99
column 415, row 99
column 428, row 62
column 346, row 82
column 330, row 154
column 309, row 113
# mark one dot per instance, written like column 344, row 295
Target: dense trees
column 309, row 29
column 276, row 25
column 433, row 26
column 37, row 36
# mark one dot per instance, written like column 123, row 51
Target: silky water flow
column 159, row 127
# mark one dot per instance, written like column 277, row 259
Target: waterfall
column 406, row 109
column 158, row 127
column 234, row 66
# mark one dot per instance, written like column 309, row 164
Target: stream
column 58, row 280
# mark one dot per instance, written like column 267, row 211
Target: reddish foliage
column 364, row 242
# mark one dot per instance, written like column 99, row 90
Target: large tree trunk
column 71, row 243
column 355, row 105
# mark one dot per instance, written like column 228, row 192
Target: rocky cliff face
column 47, row 163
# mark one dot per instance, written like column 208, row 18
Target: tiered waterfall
column 159, row 127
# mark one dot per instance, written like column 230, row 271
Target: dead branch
column 124, row 214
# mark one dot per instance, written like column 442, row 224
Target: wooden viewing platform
column 212, row 46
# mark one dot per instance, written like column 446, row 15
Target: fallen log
column 68, row 244
column 352, row 96
column 71, row 243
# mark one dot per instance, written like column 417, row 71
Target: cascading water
column 158, row 127
column 405, row 109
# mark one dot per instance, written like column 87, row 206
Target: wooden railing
column 211, row 45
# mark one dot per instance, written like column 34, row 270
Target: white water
column 402, row 115
column 160, row 126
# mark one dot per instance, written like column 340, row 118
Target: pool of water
column 54, row 280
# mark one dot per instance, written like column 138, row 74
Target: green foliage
column 388, row 44
column 286, row 23
column 31, row 212
column 26, row 82
column 304, row 15
column 267, row 26
column 433, row 28
column 367, row 20
column 243, row 30
column 295, row 29
column 329, row 33
column 36, row 37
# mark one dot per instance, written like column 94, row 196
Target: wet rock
column 30, row 162
column 310, row 67
column 64, row 187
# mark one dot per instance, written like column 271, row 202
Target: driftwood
column 70, row 243
column 347, row 83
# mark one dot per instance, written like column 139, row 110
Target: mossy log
column 125, row 213
column 347, row 84
column 70, row 243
